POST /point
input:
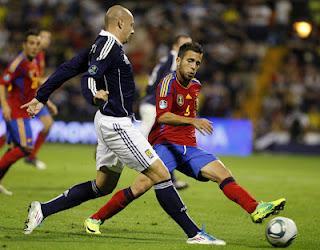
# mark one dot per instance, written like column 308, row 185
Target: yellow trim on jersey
column 165, row 85
column 13, row 66
column 22, row 132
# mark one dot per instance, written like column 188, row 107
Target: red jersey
column 41, row 61
column 22, row 79
column 173, row 97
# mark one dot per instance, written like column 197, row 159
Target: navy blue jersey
column 166, row 65
column 67, row 70
column 109, row 69
column 105, row 66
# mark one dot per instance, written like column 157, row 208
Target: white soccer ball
column 281, row 231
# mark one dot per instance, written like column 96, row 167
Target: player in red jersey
column 18, row 85
column 45, row 114
column 50, row 109
column 173, row 138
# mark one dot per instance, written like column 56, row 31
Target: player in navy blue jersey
column 108, row 83
column 147, row 108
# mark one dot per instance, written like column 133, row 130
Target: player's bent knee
column 157, row 172
column 216, row 171
column 141, row 185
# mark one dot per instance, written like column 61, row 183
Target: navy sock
column 71, row 198
column 171, row 202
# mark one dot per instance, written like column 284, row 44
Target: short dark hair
column 178, row 37
column 31, row 32
column 196, row 47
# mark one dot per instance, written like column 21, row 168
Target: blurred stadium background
column 261, row 61
column 261, row 66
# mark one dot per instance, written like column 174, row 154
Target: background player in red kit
column 50, row 109
column 173, row 138
column 21, row 80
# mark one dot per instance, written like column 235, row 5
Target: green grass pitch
column 143, row 225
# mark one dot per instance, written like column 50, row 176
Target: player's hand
column 100, row 97
column 203, row 125
column 52, row 108
column 6, row 111
column 33, row 107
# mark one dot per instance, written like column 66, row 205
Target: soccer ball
column 281, row 231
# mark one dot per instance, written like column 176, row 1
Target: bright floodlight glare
column 302, row 28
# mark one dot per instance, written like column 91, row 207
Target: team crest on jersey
column 93, row 70
column 6, row 77
column 180, row 100
column 163, row 104
column 149, row 153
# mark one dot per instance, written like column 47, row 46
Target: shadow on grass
column 14, row 234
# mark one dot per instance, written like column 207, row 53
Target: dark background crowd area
column 238, row 38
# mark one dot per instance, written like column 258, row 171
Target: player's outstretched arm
column 33, row 107
column 67, row 70
column 6, row 110
column 203, row 125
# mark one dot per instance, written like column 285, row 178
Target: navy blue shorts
column 186, row 159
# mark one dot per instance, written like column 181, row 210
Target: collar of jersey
column 107, row 33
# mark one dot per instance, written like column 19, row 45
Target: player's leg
column 106, row 181
column 20, row 134
column 133, row 150
column 47, row 122
column 119, row 201
column 123, row 198
column 171, row 202
column 217, row 172
column 148, row 115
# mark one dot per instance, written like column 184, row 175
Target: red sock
column 10, row 157
column 2, row 141
column 40, row 140
column 118, row 202
column 238, row 194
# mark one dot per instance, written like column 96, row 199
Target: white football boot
column 35, row 217
column 203, row 238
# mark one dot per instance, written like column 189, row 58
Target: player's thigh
column 19, row 133
column 127, row 143
column 215, row 171
column 170, row 154
column 107, row 159
column 194, row 160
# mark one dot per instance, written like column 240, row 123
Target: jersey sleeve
column 11, row 73
column 67, row 70
column 101, row 60
column 164, row 96
column 7, row 77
